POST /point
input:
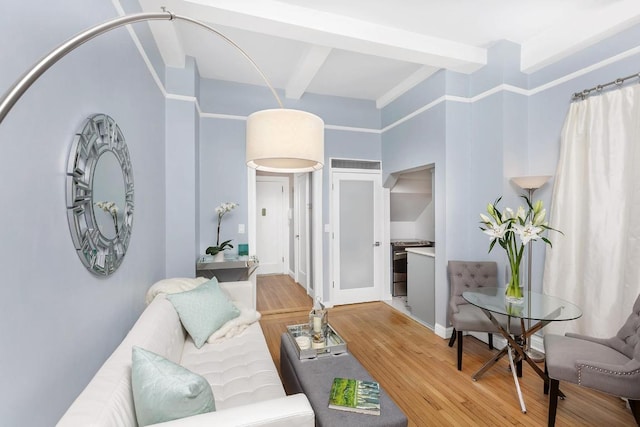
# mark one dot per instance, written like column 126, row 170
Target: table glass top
column 535, row 306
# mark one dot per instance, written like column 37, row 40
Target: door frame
column 379, row 235
column 304, row 234
column 316, row 229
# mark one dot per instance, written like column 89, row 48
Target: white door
column 301, row 229
column 272, row 231
column 357, row 230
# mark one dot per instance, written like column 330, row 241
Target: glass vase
column 513, row 293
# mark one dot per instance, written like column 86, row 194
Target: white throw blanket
column 181, row 284
column 173, row 286
column 235, row 326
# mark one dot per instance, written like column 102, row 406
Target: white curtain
column 596, row 204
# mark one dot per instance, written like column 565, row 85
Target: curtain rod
column 618, row 82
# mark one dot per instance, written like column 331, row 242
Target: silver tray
column 334, row 344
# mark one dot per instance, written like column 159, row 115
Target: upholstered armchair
column 609, row 365
column 465, row 317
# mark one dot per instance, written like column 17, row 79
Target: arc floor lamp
column 278, row 140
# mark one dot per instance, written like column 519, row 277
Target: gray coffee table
column 314, row 377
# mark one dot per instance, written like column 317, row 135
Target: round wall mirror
column 100, row 194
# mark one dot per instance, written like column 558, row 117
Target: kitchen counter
column 421, row 284
column 423, row 251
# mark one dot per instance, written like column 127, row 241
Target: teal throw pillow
column 203, row 310
column 165, row 391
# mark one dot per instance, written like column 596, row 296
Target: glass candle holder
column 318, row 322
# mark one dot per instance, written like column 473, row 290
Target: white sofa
column 242, row 375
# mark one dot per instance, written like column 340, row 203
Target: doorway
column 315, row 269
column 356, row 199
column 272, row 225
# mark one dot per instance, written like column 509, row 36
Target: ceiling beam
column 418, row 76
column 166, row 38
column 306, row 70
column 326, row 29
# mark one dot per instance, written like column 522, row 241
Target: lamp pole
column 14, row 93
column 531, row 184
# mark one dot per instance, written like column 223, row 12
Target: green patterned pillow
column 203, row 310
column 165, row 391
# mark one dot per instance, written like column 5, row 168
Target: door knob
column 376, row 244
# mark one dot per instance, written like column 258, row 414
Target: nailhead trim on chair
column 604, row 371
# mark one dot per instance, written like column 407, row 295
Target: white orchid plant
column 112, row 209
column 221, row 210
column 513, row 230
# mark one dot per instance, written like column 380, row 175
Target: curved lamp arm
column 21, row 85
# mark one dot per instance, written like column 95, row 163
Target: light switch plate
column 240, row 228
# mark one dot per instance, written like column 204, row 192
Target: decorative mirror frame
column 100, row 254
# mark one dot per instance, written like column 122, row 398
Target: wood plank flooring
column 280, row 294
column 418, row 369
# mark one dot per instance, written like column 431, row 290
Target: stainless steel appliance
column 399, row 263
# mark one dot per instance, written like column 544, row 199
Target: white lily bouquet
column 221, row 211
column 513, row 230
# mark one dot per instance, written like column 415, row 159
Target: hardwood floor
column 280, row 294
column 418, row 369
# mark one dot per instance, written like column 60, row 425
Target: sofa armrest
column 289, row 411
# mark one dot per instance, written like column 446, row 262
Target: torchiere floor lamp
column 531, row 184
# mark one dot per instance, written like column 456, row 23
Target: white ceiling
column 376, row 49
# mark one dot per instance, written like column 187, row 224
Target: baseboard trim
column 537, row 342
column 443, row 332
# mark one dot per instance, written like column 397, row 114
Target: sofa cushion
column 165, row 391
column 240, row 370
column 203, row 310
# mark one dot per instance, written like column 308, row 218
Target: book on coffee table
column 355, row 395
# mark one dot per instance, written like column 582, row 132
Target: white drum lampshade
column 284, row 140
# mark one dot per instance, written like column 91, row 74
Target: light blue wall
column 489, row 127
column 55, row 313
column 60, row 322
column 223, row 178
column 182, row 179
column 352, row 132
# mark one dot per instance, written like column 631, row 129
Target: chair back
column 470, row 275
column 627, row 340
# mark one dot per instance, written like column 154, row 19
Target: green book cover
column 355, row 395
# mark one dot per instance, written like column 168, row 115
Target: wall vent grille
column 355, row 164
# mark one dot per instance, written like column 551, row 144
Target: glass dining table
column 537, row 307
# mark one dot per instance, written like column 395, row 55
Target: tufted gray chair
column 467, row 276
column 610, row 365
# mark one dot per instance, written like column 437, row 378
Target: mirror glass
column 100, row 194
column 108, row 194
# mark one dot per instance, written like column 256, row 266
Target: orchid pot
column 216, row 250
